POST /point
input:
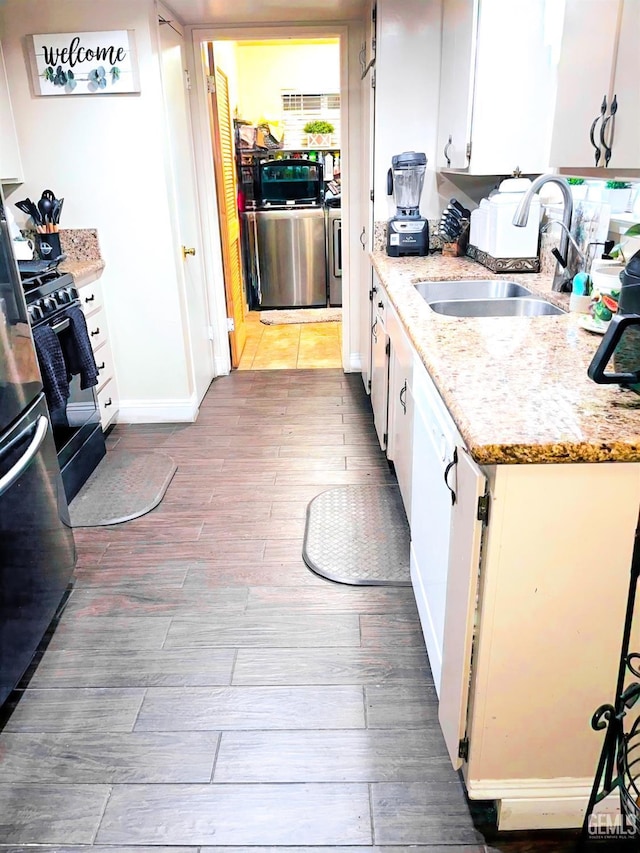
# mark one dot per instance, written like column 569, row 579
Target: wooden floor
column 205, row 689
column 301, row 346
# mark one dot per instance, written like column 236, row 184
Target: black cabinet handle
column 446, row 151
column 603, row 128
column 380, row 304
column 108, row 403
column 373, row 330
column 451, row 464
column 96, row 331
column 101, row 366
column 363, row 238
column 592, row 131
column 403, row 391
column 90, row 298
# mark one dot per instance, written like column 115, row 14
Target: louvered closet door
column 226, row 191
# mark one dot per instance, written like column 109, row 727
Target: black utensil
column 28, row 207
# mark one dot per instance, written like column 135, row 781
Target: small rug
column 125, row 485
column 301, row 315
column 358, row 535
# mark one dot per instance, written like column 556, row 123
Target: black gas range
column 78, row 435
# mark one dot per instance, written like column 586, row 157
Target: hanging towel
column 54, row 372
column 76, row 346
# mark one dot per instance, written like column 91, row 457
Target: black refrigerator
column 37, row 553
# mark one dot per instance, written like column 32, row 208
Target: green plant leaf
column 633, row 231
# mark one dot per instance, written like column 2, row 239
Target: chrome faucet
column 522, row 215
column 581, row 255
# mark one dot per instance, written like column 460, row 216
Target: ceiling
column 265, row 11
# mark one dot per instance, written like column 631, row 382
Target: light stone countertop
column 517, row 387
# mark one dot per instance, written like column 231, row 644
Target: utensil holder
column 48, row 246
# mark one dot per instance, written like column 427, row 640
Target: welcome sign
column 84, row 63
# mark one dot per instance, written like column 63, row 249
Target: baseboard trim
column 221, row 366
column 158, row 411
column 355, row 363
column 535, row 803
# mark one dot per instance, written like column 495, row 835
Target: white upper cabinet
column 598, row 97
column 497, row 81
column 10, row 162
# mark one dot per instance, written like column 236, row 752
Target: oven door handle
column 17, row 470
column 61, row 326
column 337, row 248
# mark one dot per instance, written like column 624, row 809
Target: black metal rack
column 618, row 768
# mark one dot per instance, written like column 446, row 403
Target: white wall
column 106, row 156
column 407, row 91
column 265, row 70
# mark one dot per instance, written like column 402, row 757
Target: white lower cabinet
column 401, row 407
column 380, row 350
column 92, row 302
column 434, row 454
column 521, row 594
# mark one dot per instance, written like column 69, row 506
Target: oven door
column 37, row 552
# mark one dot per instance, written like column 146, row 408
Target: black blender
column 407, row 231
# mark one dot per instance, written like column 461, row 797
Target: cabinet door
column 462, row 586
column 625, row 142
column 585, row 72
column 400, row 444
column 459, row 29
column 380, row 378
column 433, row 479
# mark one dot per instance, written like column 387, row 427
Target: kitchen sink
column 489, row 288
column 518, row 306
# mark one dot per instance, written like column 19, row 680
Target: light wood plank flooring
column 204, row 689
column 302, row 346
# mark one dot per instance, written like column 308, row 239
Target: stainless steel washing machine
column 334, row 254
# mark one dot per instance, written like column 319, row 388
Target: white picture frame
column 87, row 63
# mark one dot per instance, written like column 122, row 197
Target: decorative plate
column 591, row 324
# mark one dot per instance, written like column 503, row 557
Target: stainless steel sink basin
column 490, row 288
column 511, row 307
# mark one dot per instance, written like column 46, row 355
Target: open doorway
column 275, row 123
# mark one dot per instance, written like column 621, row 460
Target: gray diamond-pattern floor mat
column 125, row 485
column 358, row 535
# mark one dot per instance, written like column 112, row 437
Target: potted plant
column 319, row 133
column 618, row 194
column 578, row 188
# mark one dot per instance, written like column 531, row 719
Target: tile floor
column 204, row 692
column 300, row 346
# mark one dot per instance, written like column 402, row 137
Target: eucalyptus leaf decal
column 60, row 78
column 48, row 74
column 71, row 81
column 98, row 77
column 115, row 74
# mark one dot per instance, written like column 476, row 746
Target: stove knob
column 35, row 313
column 64, row 296
column 49, row 304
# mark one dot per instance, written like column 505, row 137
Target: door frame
column 163, row 13
column 350, row 124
